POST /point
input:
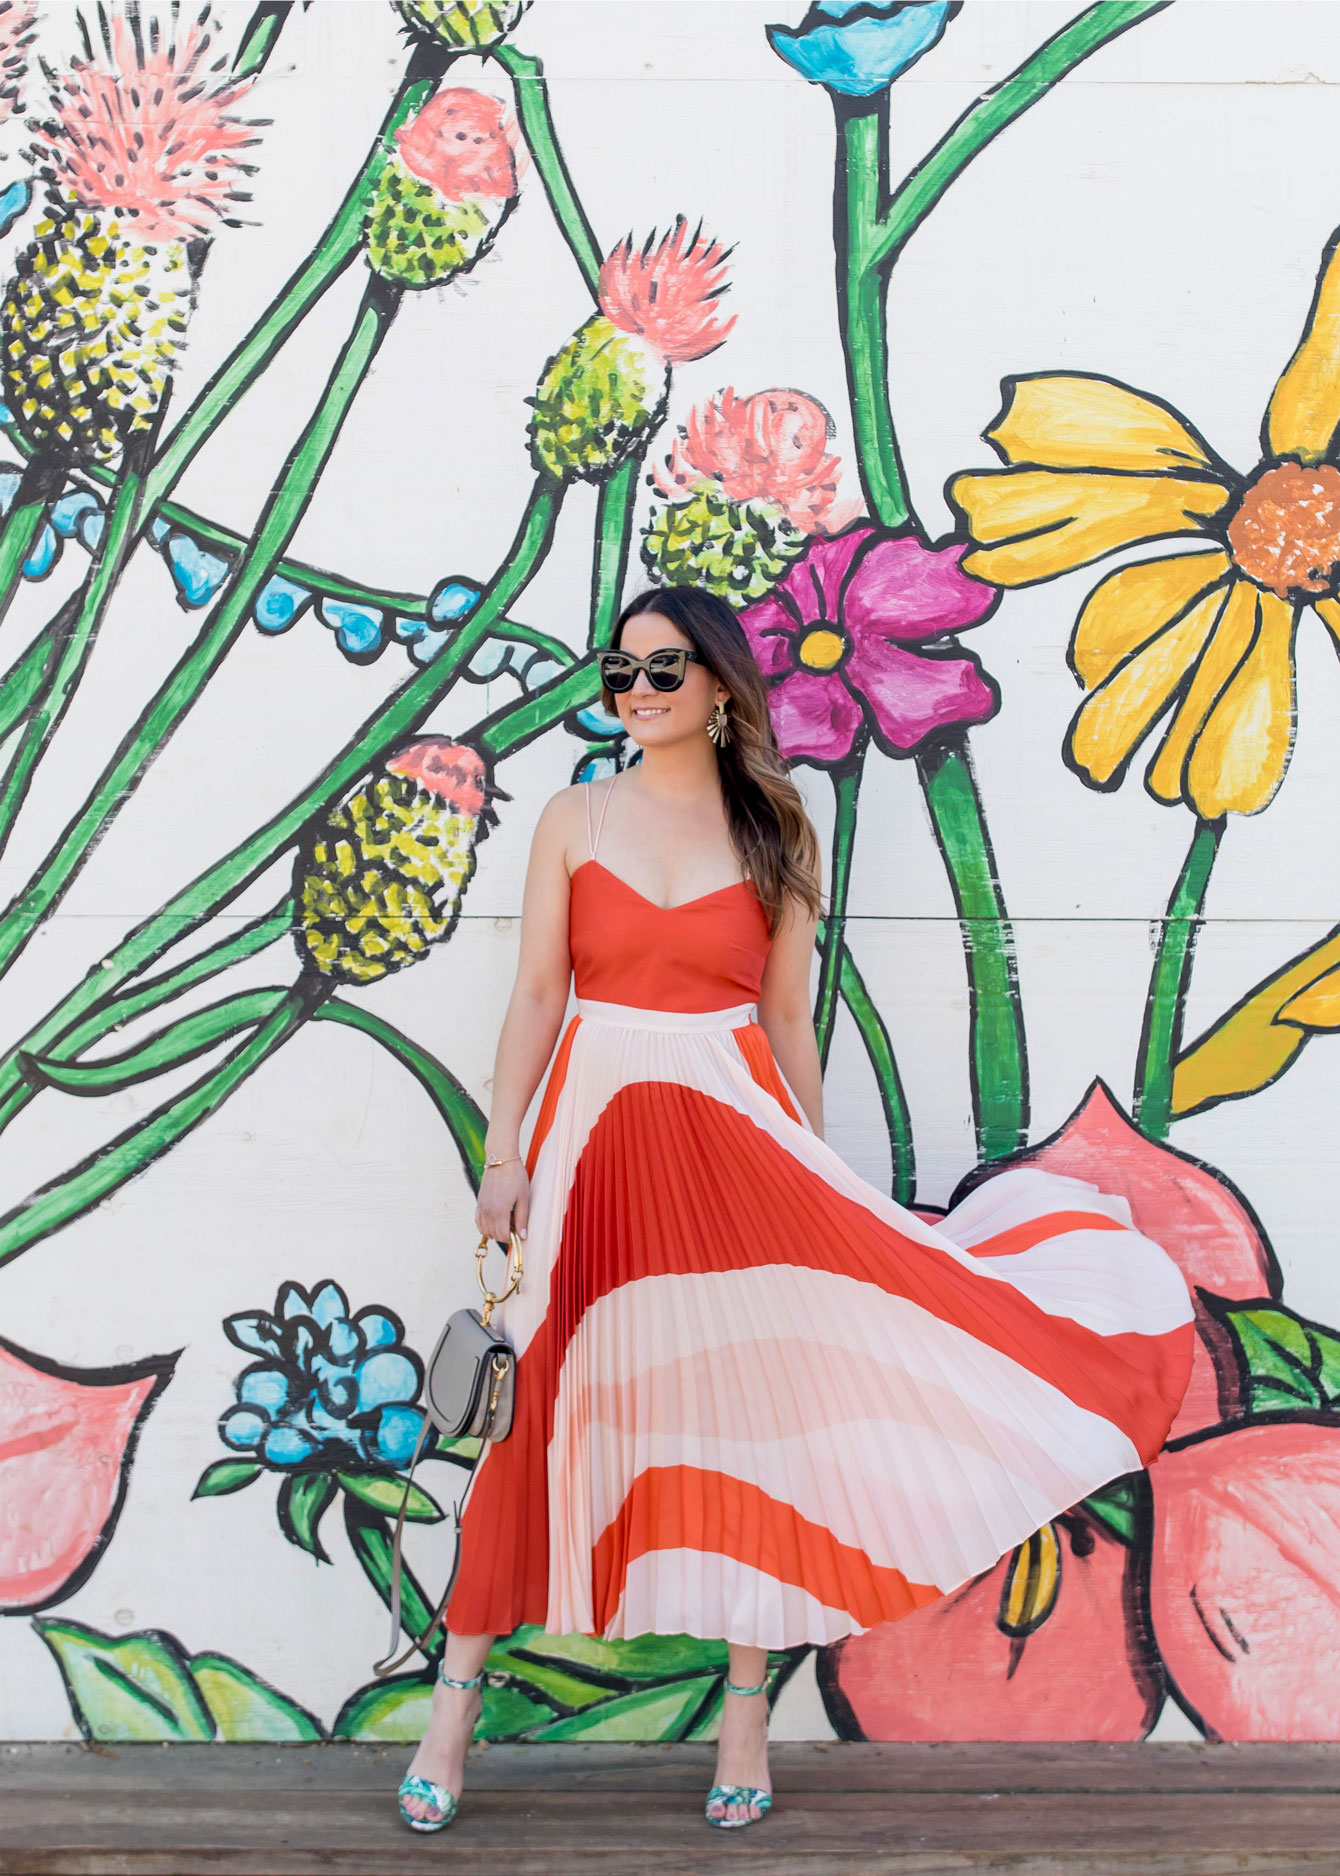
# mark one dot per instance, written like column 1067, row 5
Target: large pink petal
column 66, row 1440
column 771, row 630
column 905, row 590
column 913, row 694
column 1245, row 1585
column 814, row 584
column 950, row 1673
column 1193, row 1212
column 816, row 717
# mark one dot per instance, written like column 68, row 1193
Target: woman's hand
column 504, row 1202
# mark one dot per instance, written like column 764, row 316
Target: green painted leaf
column 511, row 1714
column 225, row 1475
column 244, row 1706
column 462, row 1452
column 127, row 1689
column 646, row 1658
column 395, row 1710
column 384, row 1492
column 1279, row 1355
column 650, row 1713
column 563, row 1689
column 1115, row 1507
column 303, row 1502
column 1268, row 1399
column 1328, row 1365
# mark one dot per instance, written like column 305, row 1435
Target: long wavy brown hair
column 769, row 828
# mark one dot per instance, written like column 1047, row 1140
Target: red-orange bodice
column 705, row 955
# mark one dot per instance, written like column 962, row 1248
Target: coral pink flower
column 463, row 143
column 144, row 128
column 668, row 291
column 771, row 447
column 1245, row 1584
column 1194, row 1213
column 66, row 1441
column 950, row 1672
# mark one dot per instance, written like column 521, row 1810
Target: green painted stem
column 401, row 713
column 370, row 1539
column 40, row 482
column 56, row 692
column 274, row 530
column 231, row 544
column 180, row 1042
column 261, row 37
column 106, row 1171
column 338, row 246
column 25, row 677
column 516, row 724
column 1161, row 1039
column 537, row 126
column 997, row 1050
column 465, row 1123
column 879, row 1049
column 614, row 532
column 846, row 788
column 151, row 994
column 862, row 162
column 994, row 110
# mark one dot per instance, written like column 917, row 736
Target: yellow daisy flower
column 1204, row 635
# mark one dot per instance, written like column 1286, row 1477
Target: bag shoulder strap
column 419, row 1644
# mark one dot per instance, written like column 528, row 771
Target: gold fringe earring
column 717, row 726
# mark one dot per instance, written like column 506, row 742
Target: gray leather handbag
column 469, row 1392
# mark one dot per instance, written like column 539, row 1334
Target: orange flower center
column 1286, row 532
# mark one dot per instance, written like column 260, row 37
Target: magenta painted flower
column 860, row 634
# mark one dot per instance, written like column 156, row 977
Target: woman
column 756, row 1400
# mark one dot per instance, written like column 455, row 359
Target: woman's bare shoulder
column 562, row 822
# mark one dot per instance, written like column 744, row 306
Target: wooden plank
column 262, row 1811
column 1188, row 1767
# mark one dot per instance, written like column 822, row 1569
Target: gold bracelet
column 491, row 1159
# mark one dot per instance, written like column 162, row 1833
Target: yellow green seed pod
column 381, row 878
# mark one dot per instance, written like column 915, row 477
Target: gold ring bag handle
column 469, row 1388
column 515, row 1265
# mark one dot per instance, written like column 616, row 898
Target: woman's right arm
column 534, row 1016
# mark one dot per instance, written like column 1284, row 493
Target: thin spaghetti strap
column 593, row 841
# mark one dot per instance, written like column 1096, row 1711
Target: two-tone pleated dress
column 757, row 1400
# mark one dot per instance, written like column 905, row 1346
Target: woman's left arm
column 784, row 1011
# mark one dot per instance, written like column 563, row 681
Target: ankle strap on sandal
column 762, row 1688
column 464, row 1686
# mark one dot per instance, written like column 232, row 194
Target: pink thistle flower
column 462, row 143
column 771, row 447
column 18, row 24
column 141, row 129
column 667, row 292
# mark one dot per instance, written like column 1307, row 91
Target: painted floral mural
column 1208, row 1586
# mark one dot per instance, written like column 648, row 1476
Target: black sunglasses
column 664, row 669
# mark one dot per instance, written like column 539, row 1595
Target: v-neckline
column 683, row 905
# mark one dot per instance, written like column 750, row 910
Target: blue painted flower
column 858, row 47
column 331, row 1390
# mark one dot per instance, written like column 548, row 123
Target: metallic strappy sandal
column 739, row 1794
column 426, row 1790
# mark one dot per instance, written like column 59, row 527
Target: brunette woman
column 756, row 1400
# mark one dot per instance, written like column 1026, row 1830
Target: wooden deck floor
column 842, row 1810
